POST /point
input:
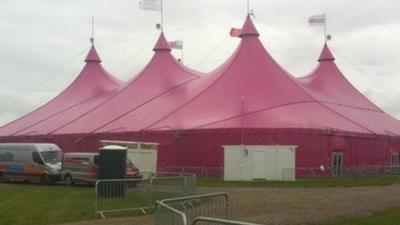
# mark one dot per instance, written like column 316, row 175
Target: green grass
column 30, row 204
column 387, row 217
column 304, row 183
column 24, row 204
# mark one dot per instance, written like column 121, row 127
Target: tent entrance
column 337, row 164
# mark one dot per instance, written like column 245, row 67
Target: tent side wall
column 201, row 151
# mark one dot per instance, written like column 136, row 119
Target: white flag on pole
column 317, row 20
column 176, row 44
column 153, row 5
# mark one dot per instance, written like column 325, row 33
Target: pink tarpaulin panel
column 54, row 122
column 328, row 84
column 375, row 122
column 162, row 74
column 251, row 80
column 330, row 88
column 92, row 81
column 290, row 116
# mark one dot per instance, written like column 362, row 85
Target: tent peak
column 92, row 56
column 326, row 54
column 248, row 28
column 162, row 44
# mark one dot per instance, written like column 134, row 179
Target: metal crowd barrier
column 199, row 171
column 181, row 210
column 349, row 172
column 290, row 174
column 208, row 220
column 118, row 195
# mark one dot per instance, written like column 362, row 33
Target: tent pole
column 325, row 33
column 241, row 121
column 162, row 15
column 182, row 55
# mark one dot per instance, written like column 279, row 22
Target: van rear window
column 6, row 157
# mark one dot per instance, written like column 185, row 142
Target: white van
column 30, row 162
column 84, row 167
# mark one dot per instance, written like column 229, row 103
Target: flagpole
column 182, row 55
column 162, row 15
column 248, row 7
column 325, row 33
column 92, row 37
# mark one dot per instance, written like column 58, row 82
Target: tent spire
column 162, row 44
column 248, row 28
column 326, row 54
column 92, row 56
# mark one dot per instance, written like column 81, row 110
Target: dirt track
column 289, row 206
column 298, row 205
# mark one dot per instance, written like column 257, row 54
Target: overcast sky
column 43, row 43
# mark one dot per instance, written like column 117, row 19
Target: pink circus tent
column 250, row 99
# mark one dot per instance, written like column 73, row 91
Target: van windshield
column 52, row 156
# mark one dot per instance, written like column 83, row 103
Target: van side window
column 96, row 160
column 36, row 158
column 81, row 160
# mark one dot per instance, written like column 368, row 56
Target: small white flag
column 176, row 44
column 317, row 20
column 153, row 5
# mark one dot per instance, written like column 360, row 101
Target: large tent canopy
column 249, row 90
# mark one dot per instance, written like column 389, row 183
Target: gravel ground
column 293, row 206
column 284, row 206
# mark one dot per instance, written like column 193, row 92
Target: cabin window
column 36, row 158
column 394, row 162
column 337, row 163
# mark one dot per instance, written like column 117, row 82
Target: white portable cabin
column 259, row 162
column 142, row 154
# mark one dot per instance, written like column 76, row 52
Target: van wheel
column 45, row 179
column 68, row 180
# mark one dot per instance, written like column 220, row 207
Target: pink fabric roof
column 162, row 74
column 330, row 87
column 327, row 84
column 271, row 98
column 249, row 90
column 92, row 81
